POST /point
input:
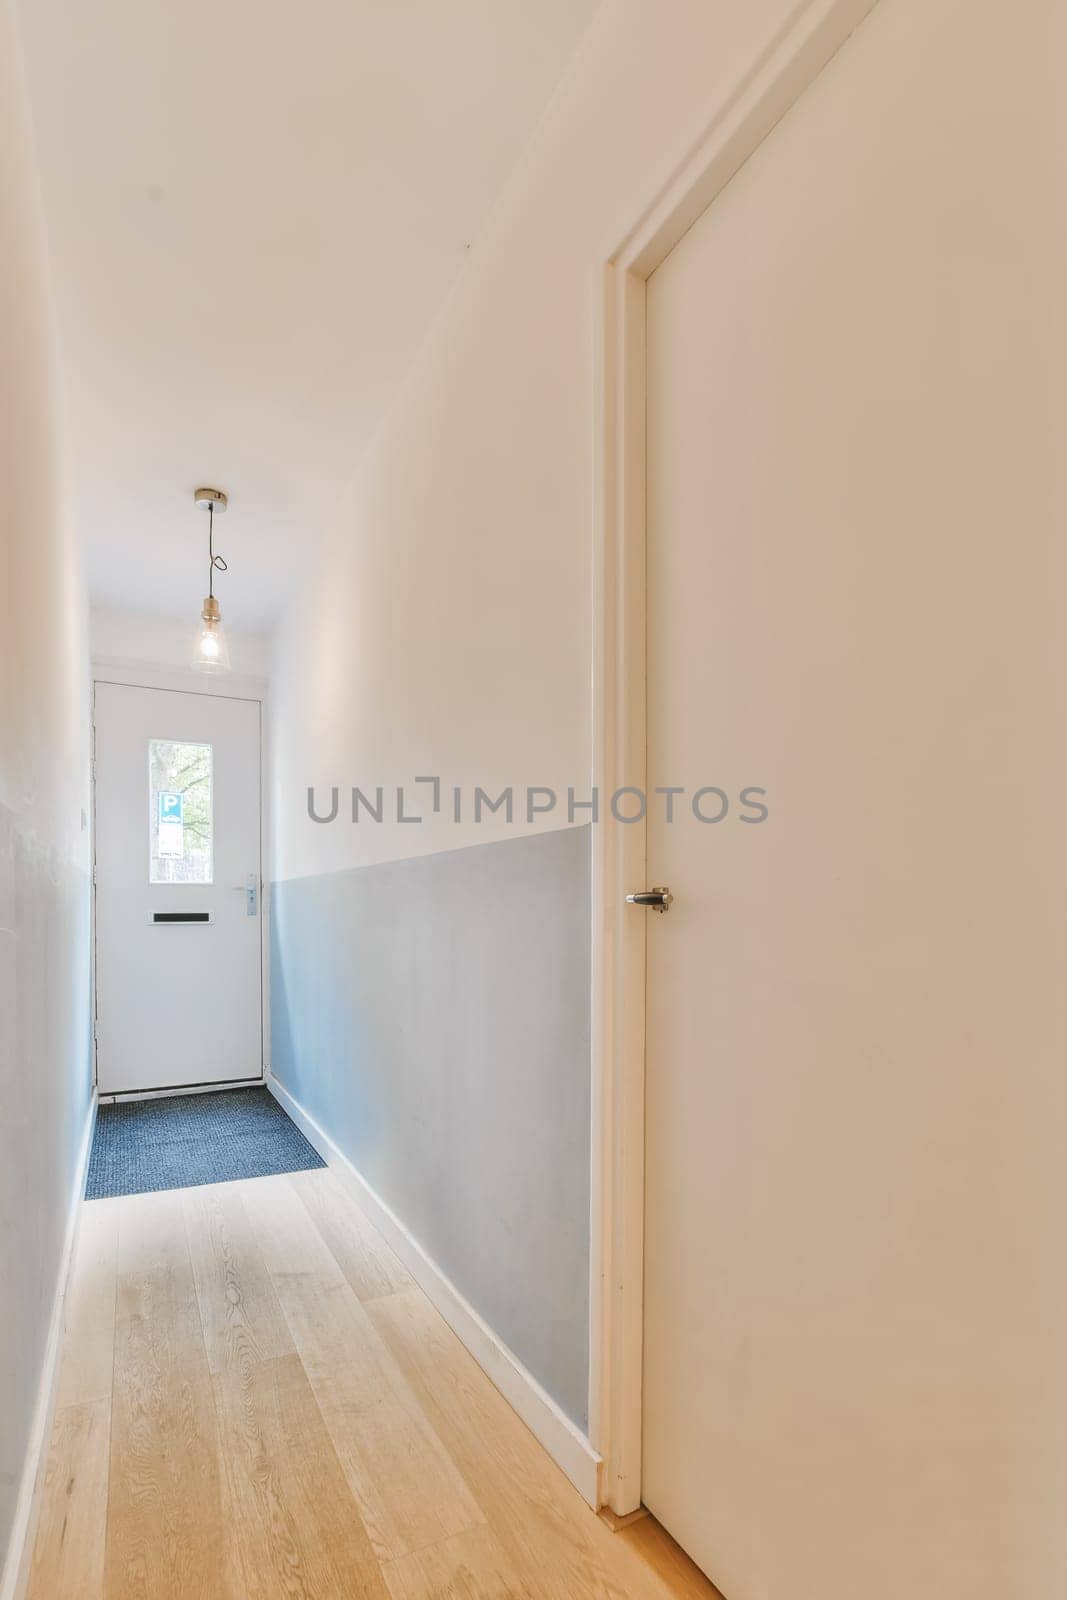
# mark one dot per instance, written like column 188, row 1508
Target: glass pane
column 179, row 816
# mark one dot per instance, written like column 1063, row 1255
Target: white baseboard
column 565, row 1443
column 16, row 1571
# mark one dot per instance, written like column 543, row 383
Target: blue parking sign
column 170, row 835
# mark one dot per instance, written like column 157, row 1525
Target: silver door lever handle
column 250, row 890
column 657, row 899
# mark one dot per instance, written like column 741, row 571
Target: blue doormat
column 143, row 1145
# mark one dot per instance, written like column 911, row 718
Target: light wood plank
column 89, row 1338
column 470, row 1566
column 68, row 1557
column 239, row 1310
column 653, row 1546
column 554, row 1543
column 292, row 1526
column 339, row 1450
column 369, row 1265
column 408, row 1490
column 165, row 1525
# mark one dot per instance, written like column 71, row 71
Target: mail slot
column 167, row 917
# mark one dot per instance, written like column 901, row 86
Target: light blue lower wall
column 45, row 1096
column 432, row 1015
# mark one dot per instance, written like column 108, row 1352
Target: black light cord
column 217, row 563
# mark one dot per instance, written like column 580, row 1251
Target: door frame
column 741, row 120
column 236, row 686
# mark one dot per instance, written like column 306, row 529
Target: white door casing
column 178, row 1004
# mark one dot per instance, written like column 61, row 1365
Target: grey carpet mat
column 143, row 1145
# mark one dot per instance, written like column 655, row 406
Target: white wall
column 445, row 627
column 45, row 1085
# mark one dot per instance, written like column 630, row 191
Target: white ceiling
column 255, row 209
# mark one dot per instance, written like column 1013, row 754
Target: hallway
column 255, row 1400
column 532, row 880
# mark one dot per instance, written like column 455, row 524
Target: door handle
column 250, row 889
column 657, row 899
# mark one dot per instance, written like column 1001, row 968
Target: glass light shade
column 211, row 653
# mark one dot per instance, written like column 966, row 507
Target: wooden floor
column 256, row 1401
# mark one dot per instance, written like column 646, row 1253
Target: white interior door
column 177, row 854
column 856, row 1309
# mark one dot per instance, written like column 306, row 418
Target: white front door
column 177, row 859
column 856, row 1214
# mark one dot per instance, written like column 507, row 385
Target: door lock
column 657, row 899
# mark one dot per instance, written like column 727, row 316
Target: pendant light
column 211, row 653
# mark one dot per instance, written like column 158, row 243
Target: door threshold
column 122, row 1095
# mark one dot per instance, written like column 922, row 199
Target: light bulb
column 210, row 650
